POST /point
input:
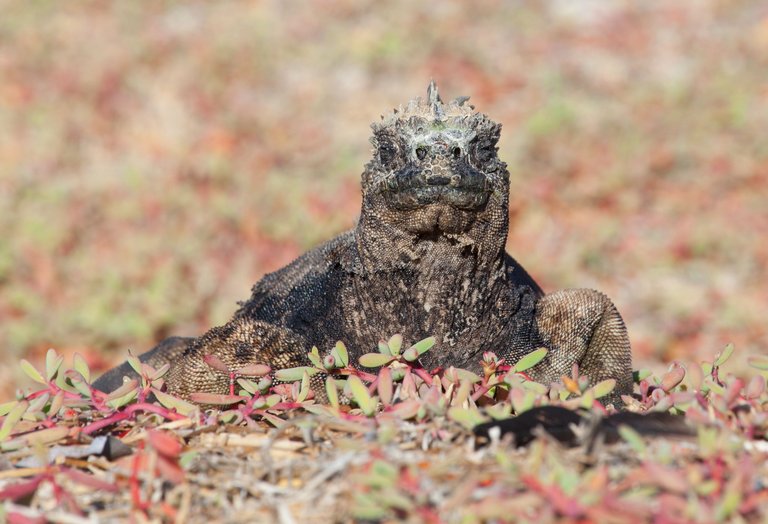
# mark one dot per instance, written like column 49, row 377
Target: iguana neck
column 452, row 288
column 383, row 248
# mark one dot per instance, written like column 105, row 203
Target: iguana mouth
column 459, row 187
column 461, row 198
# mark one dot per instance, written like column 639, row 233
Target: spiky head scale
column 430, row 119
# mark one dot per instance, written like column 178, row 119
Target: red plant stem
column 52, row 389
column 128, row 413
column 372, row 385
column 368, row 377
column 106, row 421
column 152, row 408
column 485, row 388
column 423, row 375
column 134, row 481
column 701, row 400
column 63, row 496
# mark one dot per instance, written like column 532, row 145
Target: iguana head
column 435, row 168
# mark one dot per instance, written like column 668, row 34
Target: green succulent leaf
column 467, row 417
column 462, row 394
column 215, row 399
column 385, row 386
column 422, row 346
column 759, row 362
column 724, row 355
column 254, row 370
column 171, row 402
column 31, row 372
column 384, row 348
column 407, row 409
column 134, row 362
column 672, row 378
column 273, row 419
column 37, row 404
column 641, row 374
column 374, row 360
column 120, row 401
column 458, row 374
column 535, row 387
column 366, row 506
column 522, row 400
column 332, row 392
column 632, row 438
column 56, row 403
column 604, row 388
column 314, row 357
column 214, row 362
column 81, row 366
column 47, row 435
column 499, row 411
column 294, row 374
column 230, row 417
column 128, row 386
column 395, row 343
column 52, row 363
column 81, row 386
column 249, row 386
column 341, row 354
column 587, row 399
column 530, row 360
column 361, row 396
column 160, row 372
column 13, row 416
column 6, row 407
column 304, row 389
column 411, row 354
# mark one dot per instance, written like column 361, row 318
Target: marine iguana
column 426, row 258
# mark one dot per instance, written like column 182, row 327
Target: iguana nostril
column 456, row 152
column 421, row 152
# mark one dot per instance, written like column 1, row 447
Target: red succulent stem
column 134, row 481
column 367, row 377
column 485, row 388
column 128, row 412
column 422, row 374
column 372, row 385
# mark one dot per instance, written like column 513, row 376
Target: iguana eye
column 484, row 150
column 387, row 153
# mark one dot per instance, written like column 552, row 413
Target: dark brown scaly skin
column 426, row 258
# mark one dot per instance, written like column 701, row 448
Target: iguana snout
column 437, row 173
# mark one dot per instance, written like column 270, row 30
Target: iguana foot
column 238, row 343
column 582, row 326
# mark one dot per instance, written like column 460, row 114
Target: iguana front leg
column 238, row 343
column 583, row 326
